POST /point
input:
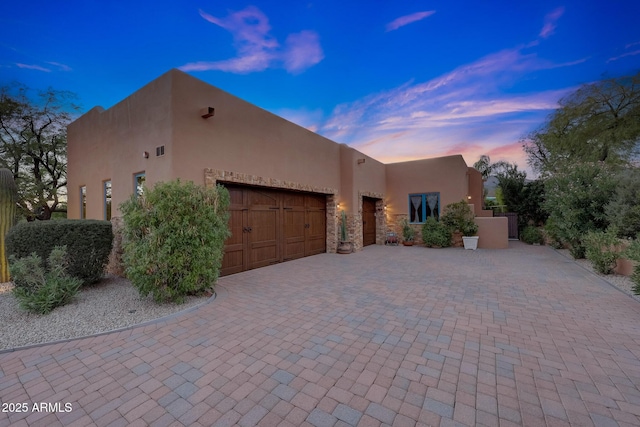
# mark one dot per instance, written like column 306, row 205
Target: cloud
column 257, row 49
column 33, row 67
column 464, row 111
column 61, row 67
column 408, row 19
column 550, row 22
column 626, row 54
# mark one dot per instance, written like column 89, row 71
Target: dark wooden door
column 512, row 221
column 316, row 225
column 234, row 247
column 270, row 226
column 294, row 226
column 264, row 228
column 368, row 221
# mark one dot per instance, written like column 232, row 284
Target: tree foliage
column 576, row 200
column 33, row 140
column 599, row 122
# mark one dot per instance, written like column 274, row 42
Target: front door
column 368, row 221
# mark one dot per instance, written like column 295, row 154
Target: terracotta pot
column 345, row 248
column 407, row 243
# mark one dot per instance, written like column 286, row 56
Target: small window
column 138, row 184
column 160, row 151
column 422, row 206
column 83, row 202
column 107, row 200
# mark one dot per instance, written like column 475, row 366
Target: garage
column 269, row 226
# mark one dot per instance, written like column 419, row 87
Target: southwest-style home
column 288, row 185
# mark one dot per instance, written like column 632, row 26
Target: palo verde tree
column 599, row 122
column 33, row 140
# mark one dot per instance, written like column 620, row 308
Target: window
column 138, row 184
column 83, row 202
column 107, row 200
column 423, row 205
column 160, row 151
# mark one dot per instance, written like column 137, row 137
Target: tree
column 483, row 165
column 33, row 138
column 599, row 122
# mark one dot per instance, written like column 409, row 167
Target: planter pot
column 345, row 248
column 407, row 243
column 470, row 242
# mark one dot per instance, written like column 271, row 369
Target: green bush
column 435, row 233
column 576, row 200
column 38, row 290
column 88, row 244
column 408, row 233
column 601, row 250
column 623, row 211
column 532, row 235
column 458, row 216
column 633, row 253
column 174, row 239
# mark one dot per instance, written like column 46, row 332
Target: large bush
column 88, row 244
column 40, row 289
column 602, row 250
column 174, row 239
column 633, row 253
column 576, row 200
column 458, row 217
column 435, row 233
column 623, row 211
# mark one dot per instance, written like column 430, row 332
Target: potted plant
column 408, row 233
column 345, row 246
column 459, row 218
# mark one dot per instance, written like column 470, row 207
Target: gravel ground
column 113, row 303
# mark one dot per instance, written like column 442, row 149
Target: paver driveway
column 388, row 336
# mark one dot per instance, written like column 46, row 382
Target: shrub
column 576, row 200
column 38, row 290
column 459, row 217
column 633, row 253
column 88, row 244
column 623, row 211
column 174, row 239
column 435, row 233
column 600, row 249
column 532, row 235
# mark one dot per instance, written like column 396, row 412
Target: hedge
column 88, row 244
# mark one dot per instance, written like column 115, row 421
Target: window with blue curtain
column 423, row 206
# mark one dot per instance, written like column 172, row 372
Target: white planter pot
column 470, row 242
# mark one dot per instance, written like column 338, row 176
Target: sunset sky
column 396, row 80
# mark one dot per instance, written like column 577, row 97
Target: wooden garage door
column 270, row 226
column 368, row 221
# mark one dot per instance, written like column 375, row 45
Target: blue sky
column 396, row 80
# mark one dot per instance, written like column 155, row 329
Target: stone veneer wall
column 355, row 221
column 213, row 176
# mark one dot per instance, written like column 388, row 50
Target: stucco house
column 288, row 185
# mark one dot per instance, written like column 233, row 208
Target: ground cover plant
column 40, row 289
column 174, row 239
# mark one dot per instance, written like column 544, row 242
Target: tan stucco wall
column 493, row 232
column 108, row 144
column 446, row 175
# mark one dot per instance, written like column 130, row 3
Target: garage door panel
column 270, row 226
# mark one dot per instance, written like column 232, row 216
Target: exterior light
column 145, row 154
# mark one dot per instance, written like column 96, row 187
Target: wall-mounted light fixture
column 361, row 161
column 207, row 112
column 145, row 154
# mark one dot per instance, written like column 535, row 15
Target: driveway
column 388, row 336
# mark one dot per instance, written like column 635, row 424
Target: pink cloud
column 550, row 22
column 257, row 49
column 408, row 19
column 632, row 53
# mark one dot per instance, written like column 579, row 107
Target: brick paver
column 388, row 336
